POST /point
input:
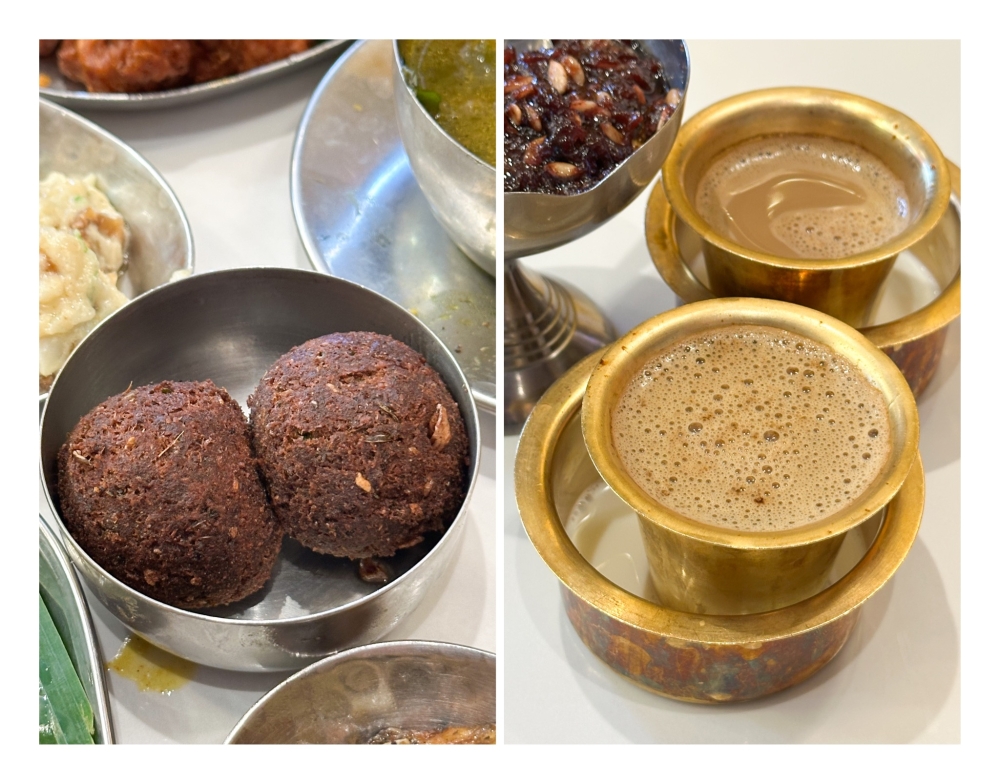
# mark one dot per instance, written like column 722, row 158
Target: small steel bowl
column 230, row 326
column 536, row 222
column 64, row 599
column 460, row 188
column 686, row 656
column 914, row 342
column 353, row 695
column 160, row 243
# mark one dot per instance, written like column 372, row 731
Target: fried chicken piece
column 45, row 48
column 126, row 66
column 217, row 59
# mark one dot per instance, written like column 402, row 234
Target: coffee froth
column 751, row 428
column 800, row 196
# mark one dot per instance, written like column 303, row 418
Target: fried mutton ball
column 159, row 485
column 362, row 447
column 122, row 66
column 139, row 66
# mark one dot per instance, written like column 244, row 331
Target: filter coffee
column 751, row 428
column 800, row 196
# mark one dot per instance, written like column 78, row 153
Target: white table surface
column 228, row 161
column 897, row 678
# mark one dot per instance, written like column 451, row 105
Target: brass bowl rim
column 935, row 315
column 532, row 488
column 645, row 339
column 705, row 123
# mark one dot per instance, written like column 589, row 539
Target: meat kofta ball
column 125, row 66
column 136, row 66
column 362, row 447
column 159, row 485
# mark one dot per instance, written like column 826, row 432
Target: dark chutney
column 572, row 113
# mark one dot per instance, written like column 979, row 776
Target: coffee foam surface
column 751, row 428
column 865, row 202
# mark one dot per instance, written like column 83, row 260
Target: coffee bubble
column 810, row 197
column 778, row 439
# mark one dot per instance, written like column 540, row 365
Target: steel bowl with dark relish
column 572, row 113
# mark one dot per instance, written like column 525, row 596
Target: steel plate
column 74, row 95
column 362, row 216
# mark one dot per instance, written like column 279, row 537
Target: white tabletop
column 897, row 678
column 228, row 161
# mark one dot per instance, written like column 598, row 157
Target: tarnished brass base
column 686, row 656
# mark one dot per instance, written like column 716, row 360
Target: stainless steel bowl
column 536, row 222
column 460, row 188
column 350, row 697
column 63, row 597
column 230, row 326
column 160, row 242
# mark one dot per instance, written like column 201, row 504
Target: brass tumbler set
column 745, row 614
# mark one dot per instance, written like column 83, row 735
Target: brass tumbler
column 845, row 288
column 703, row 568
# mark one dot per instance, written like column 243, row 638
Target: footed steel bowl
column 536, row 222
column 229, row 327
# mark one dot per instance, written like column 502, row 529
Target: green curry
column 456, row 83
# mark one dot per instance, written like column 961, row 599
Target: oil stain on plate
column 151, row 668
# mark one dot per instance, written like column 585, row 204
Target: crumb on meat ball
column 362, row 447
column 159, row 485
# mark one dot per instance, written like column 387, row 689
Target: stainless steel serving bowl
column 160, row 242
column 536, row 222
column 230, row 326
column 350, row 697
column 460, row 188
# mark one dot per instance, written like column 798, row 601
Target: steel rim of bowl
column 936, row 315
column 450, row 532
column 154, row 174
column 532, row 486
column 402, row 647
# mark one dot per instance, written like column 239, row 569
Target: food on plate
column 135, row 66
column 81, row 250
column 362, row 447
column 158, row 485
column 575, row 111
column 218, row 59
column 456, row 83
column 391, row 736
column 47, row 47
column 64, row 712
